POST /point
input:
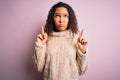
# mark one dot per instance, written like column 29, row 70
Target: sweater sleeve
column 82, row 60
column 39, row 56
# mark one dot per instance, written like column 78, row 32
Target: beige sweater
column 60, row 57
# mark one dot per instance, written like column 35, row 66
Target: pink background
column 21, row 21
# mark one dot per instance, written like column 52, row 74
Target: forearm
column 39, row 56
column 82, row 59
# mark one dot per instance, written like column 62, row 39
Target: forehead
column 61, row 10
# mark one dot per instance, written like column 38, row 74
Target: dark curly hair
column 72, row 24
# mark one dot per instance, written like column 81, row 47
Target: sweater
column 60, row 57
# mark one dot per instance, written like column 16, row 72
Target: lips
column 61, row 25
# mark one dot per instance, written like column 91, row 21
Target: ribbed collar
column 66, row 33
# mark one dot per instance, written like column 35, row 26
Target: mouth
column 61, row 25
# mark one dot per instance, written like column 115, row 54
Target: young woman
column 59, row 50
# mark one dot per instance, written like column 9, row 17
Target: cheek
column 67, row 21
column 56, row 21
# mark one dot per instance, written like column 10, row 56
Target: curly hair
column 72, row 24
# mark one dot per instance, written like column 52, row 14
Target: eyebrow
column 62, row 13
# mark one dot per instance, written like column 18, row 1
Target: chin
column 62, row 29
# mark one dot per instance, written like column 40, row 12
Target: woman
column 59, row 50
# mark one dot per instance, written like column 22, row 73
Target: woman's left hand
column 82, row 42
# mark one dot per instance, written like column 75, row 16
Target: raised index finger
column 81, row 33
column 42, row 30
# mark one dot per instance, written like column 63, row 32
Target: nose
column 61, row 19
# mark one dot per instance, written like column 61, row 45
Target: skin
column 61, row 19
column 82, row 42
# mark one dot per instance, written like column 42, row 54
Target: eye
column 57, row 16
column 66, row 16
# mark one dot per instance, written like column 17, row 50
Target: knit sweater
column 60, row 57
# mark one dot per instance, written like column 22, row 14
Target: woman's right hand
column 42, row 38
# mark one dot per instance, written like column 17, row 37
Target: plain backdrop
column 21, row 21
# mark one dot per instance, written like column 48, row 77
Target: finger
column 81, row 39
column 81, row 33
column 42, row 30
column 40, row 36
column 46, row 35
column 84, row 43
column 82, row 47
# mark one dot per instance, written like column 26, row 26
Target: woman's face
column 61, row 18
